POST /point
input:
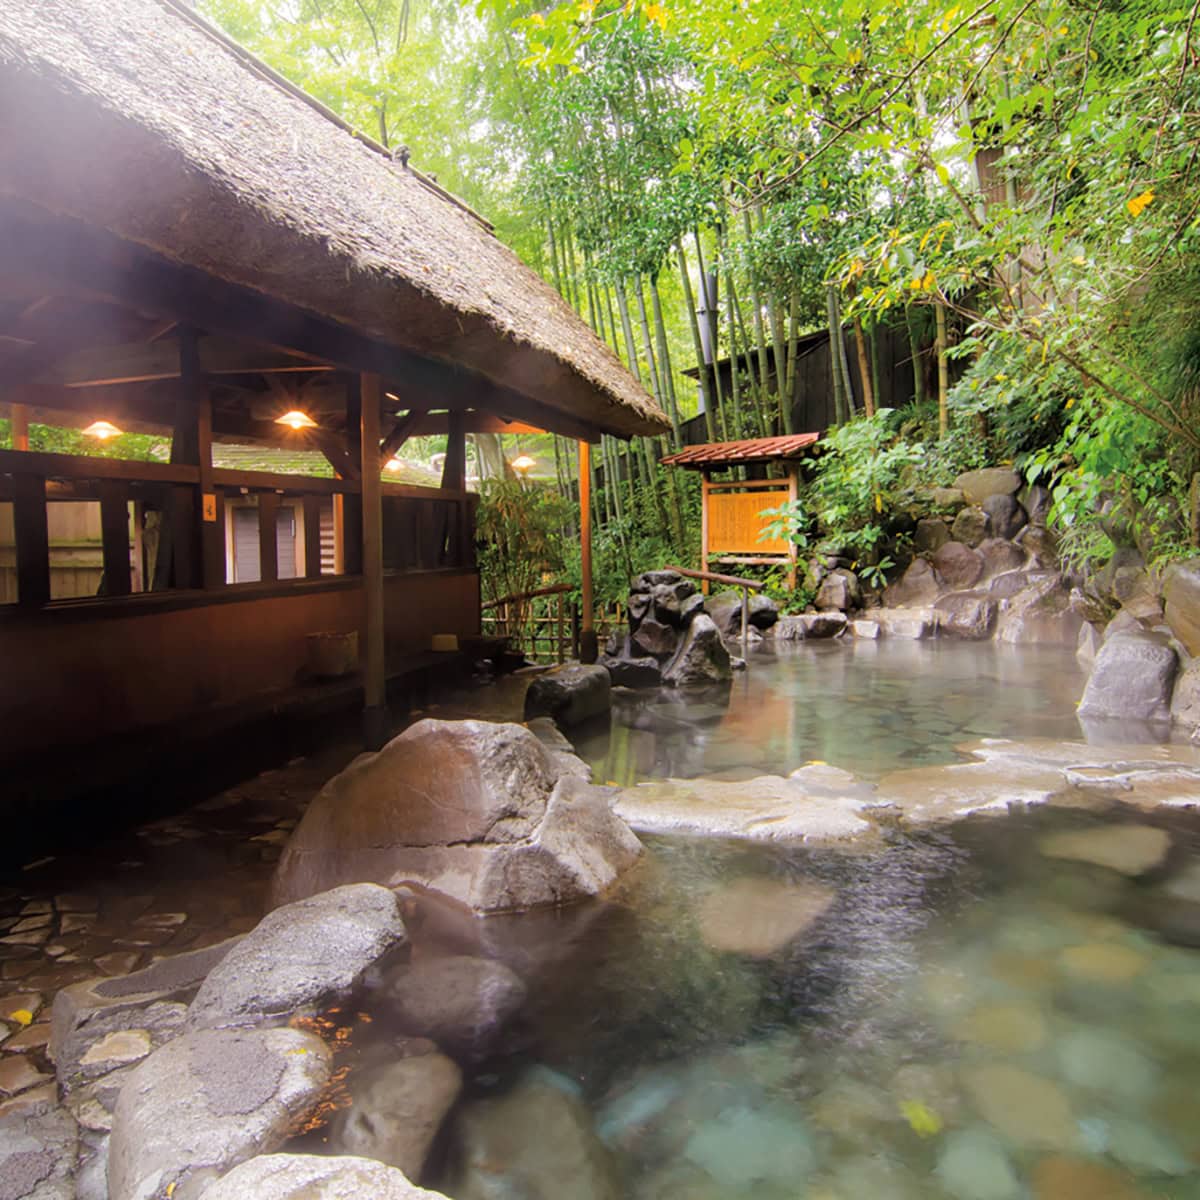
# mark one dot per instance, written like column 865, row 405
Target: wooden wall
column 73, row 676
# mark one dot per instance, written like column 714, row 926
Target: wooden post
column 19, row 420
column 33, row 540
column 268, row 543
column 114, row 534
column 589, row 649
column 745, row 619
column 375, row 714
column 705, row 480
column 212, row 502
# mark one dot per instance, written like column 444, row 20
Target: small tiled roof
column 752, row 450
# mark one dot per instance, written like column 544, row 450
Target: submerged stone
column 1029, row 1110
column 972, row 1165
column 1130, row 849
column 758, row 917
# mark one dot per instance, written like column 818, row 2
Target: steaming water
column 966, row 1018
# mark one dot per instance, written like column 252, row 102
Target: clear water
column 867, row 707
column 965, row 1018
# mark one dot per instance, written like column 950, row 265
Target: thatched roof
column 129, row 116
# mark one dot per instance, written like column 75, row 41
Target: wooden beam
column 73, row 259
column 375, row 715
column 32, row 538
column 71, row 466
column 454, row 469
column 114, row 534
column 400, row 433
column 144, row 362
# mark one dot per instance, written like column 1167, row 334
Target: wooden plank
column 750, row 484
column 268, row 544
column 589, row 649
column 184, row 548
column 114, row 533
column 753, row 585
column 735, row 524
column 375, row 716
column 312, row 536
column 33, row 540
column 71, row 466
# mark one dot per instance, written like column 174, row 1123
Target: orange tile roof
column 752, row 450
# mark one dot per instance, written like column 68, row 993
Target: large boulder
column 571, row 694
column 398, row 1107
column 1181, row 591
column 206, row 1102
column 958, row 566
column 917, row 588
column 635, row 671
column 480, row 812
column 1040, row 544
column 977, row 486
column 316, row 1177
column 460, row 1001
column 1132, row 679
column 654, row 638
column 1000, row 557
column 702, row 657
column 725, row 608
column 301, row 958
column 969, row 615
column 1040, row 613
column 1185, row 699
column 1036, row 501
column 1006, row 516
column 535, row 1141
column 971, row 526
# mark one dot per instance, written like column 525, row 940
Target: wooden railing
column 747, row 586
column 530, row 626
column 424, row 528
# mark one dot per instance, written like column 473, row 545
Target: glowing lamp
column 295, row 419
column 523, row 464
column 102, row 430
column 392, row 464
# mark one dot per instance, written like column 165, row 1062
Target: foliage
column 54, row 439
column 519, row 527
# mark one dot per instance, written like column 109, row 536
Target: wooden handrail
column 753, row 585
column 554, row 590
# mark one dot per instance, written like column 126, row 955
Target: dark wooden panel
column 184, row 549
column 352, row 549
column 268, row 535
column 114, row 532
column 33, row 540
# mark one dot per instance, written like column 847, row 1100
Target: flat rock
column 301, row 957
column 398, row 1109
column 315, row 1177
column 1130, row 849
column 18, row 1074
column 758, row 917
column 767, row 808
column 85, row 1013
column 37, row 1154
column 535, row 1140
column 459, row 1001
column 207, row 1101
column 571, row 693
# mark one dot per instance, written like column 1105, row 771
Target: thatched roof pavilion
column 140, row 119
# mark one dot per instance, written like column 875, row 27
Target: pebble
column 973, row 1166
column 1130, row 849
column 1145, row 1150
column 1003, row 1027
column 1029, row 1110
column 1062, row 1178
column 1107, row 1063
column 1103, row 962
